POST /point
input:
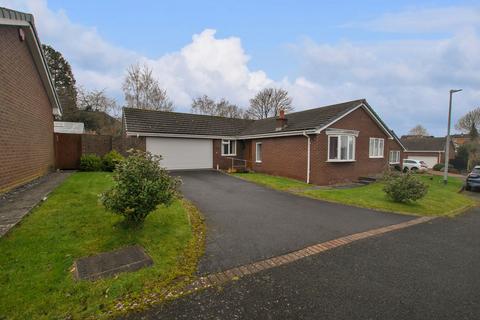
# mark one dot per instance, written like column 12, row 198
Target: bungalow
column 28, row 102
column 427, row 148
column 331, row 144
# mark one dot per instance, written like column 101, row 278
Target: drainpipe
column 308, row 156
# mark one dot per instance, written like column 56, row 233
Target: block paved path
column 17, row 203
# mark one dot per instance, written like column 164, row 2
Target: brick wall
column 324, row 172
column 225, row 162
column 26, row 121
column 286, row 156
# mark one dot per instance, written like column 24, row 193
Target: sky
column 402, row 56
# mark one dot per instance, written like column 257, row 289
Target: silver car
column 414, row 165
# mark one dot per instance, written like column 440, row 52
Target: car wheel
column 405, row 170
column 414, row 170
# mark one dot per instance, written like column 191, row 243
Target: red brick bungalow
column 331, row 144
column 28, row 102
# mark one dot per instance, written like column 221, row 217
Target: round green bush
column 439, row 167
column 140, row 185
column 90, row 162
column 111, row 159
column 404, row 188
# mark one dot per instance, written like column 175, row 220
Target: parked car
column 414, row 165
column 473, row 179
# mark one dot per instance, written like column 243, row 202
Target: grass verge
column 441, row 200
column 37, row 256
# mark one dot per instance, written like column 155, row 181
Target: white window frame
column 350, row 157
column 397, row 158
column 228, row 142
column 257, row 158
column 378, row 150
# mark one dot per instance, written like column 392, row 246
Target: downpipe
column 308, row 155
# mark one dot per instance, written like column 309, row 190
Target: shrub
column 405, row 188
column 439, row 167
column 111, row 159
column 90, row 162
column 140, row 185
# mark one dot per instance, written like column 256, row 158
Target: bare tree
column 96, row 100
column 222, row 108
column 142, row 90
column 418, row 130
column 268, row 103
column 204, row 105
column 470, row 122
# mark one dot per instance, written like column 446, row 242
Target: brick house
column 331, row 144
column 427, row 148
column 28, row 102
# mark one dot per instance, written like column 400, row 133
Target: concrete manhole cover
column 107, row 264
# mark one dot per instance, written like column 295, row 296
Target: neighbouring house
column 331, row 144
column 28, row 102
column 427, row 148
column 460, row 139
column 68, row 127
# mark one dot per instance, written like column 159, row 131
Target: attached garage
column 429, row 160
column 182, row 153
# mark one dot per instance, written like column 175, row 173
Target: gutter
column 308, row 155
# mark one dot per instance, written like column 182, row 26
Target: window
column 229, row 147
column 376, row 148
column 394, row 157
column 341, row 148
column 258, row 152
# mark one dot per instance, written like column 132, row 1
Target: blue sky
column 402, row 56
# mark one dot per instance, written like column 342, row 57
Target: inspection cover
column 107, row 264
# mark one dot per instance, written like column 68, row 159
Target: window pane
column 333, row 152
column 380, row 149
column 258, row 152
column 350, row 148
column 370, row 152
column 232, row 146
column 343, row 147
column 225, row 148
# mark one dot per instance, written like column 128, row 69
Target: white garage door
column 180, row 153
column 430, row 161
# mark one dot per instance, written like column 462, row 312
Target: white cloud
column 406, row 81
column 421, row 20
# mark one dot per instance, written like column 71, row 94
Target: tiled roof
column 303, row 120
column 414, row 143
column 146, row 121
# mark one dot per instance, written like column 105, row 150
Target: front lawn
column 37, row 256
column 440, row 200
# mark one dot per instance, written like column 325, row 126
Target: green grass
column 37, row 256
column 440, row 200
column 274, row 182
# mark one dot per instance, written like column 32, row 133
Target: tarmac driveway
column 246, row 222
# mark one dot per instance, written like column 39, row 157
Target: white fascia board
column 172, row 135
column 278, row 134
column 246, row 137
column 423, row 151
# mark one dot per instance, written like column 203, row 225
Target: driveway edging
column 219, row 278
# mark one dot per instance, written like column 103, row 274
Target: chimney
column 281, row 122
